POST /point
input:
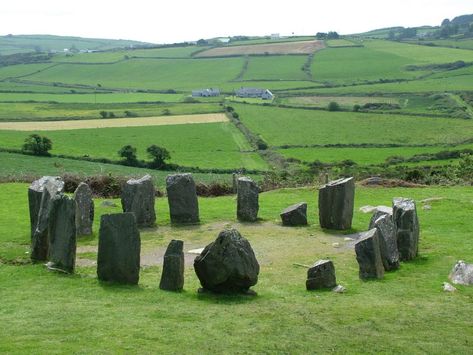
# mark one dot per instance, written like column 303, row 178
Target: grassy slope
column 406, row 310
column 276, row 68
column 202, row 145
column 294, row 126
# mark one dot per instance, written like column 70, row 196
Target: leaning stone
column 295, row 215
column 39, row 195
column 227, row 265
column 368, row 256
column 84, row 209
column 118, row 258
column 62, row 234
column 387, row 241
column 138, row 197
column 462, row 273
column 172, row 278
column 321, row 275
column 182, row 198
column 247, row 200
column 406, row 228
column 336, row 201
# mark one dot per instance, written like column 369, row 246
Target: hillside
column 11, row 44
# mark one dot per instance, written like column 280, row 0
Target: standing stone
column 295, row 215
column 182, row 198
column 138, row 197
column 406, row 226
column 462, row 273
column 62, row 234
column 321, row 275
column 172, row 278
column 247, row 200
column 227, row 265
column 368, row 256
column 84, row 209
column 387, row 241
column 118, row 257
column 39, row 195
column 336, row 202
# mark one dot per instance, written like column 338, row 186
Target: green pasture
column 285, row 67
column 283, row 316
column 459, row 43
column 363, row 156
column 21, row 87
column 346, row 102
column 340, row 43
column 21, row 70
column 280, row 127
column 204, row 145
column 146, row 73
column 31, row 111
column 268, row 40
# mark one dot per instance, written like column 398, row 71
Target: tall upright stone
column 40, row 193
column 62, row 234
column 336, row 202
column 172, row 278
column 406, row 226
column 227, row 265
column 138, row 198
column 368, row 256
column 387, row 241
column 247, row 200
column 182, row 198
column 118, row 258
column 84, row 209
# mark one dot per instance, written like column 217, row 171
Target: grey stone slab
column 336, row 202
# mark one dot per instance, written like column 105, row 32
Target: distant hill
column 462, row 20
column 12, row 44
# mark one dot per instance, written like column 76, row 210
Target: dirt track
column 115, row 122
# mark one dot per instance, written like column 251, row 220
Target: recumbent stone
column 295, row 215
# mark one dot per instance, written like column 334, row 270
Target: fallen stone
column 118, row 258
column 462, row 273
column 368, row 256
column 227, row 265
column 138, row 198
column 336, row 201
column 336, row 245
column 39, row 196
column 295, row 215
column 182, row 198
column 84, row 209
column 426, row 207
column 172, row 278
column 406, row 228
column 247, row 200
column 321, row 275
column 387, row 241
column 448, row 288
column 339, row 289
column 62, row 234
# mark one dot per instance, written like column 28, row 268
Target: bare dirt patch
column 116, row 122
column 302, row 47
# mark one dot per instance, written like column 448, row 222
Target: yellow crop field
column 116, row 122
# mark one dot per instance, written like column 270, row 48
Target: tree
column 37, row 145
column 159, row 155
column 129, row 154
column 333, row 106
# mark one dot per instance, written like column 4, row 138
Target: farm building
column 206, row 92
column 264, row 94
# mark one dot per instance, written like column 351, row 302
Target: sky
column 178, row 20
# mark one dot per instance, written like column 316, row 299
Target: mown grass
column 286, row 67
column 406, row 310
column 211, row 145
column 300, row 127
column 30, row 111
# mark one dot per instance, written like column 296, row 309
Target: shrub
column 128, row 153
column 159, row 155
column 333, row 106
column 356, row 108
column 37, row 145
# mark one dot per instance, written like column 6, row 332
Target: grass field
column 344, row 101
column 91, row 98
column 295, row 126
column 340, row 43
column 206, row 145
column 276, row 68
column 114, row 122
column 303, row 47
column 283, row 316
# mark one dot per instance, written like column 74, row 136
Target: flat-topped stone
column 321, row 275
column 336, row 202
column 118, row 258
column 406, row 225
column 182, row 198
column 295, row 215
column 138, row 197
column 368, row 256
column 247, row 199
